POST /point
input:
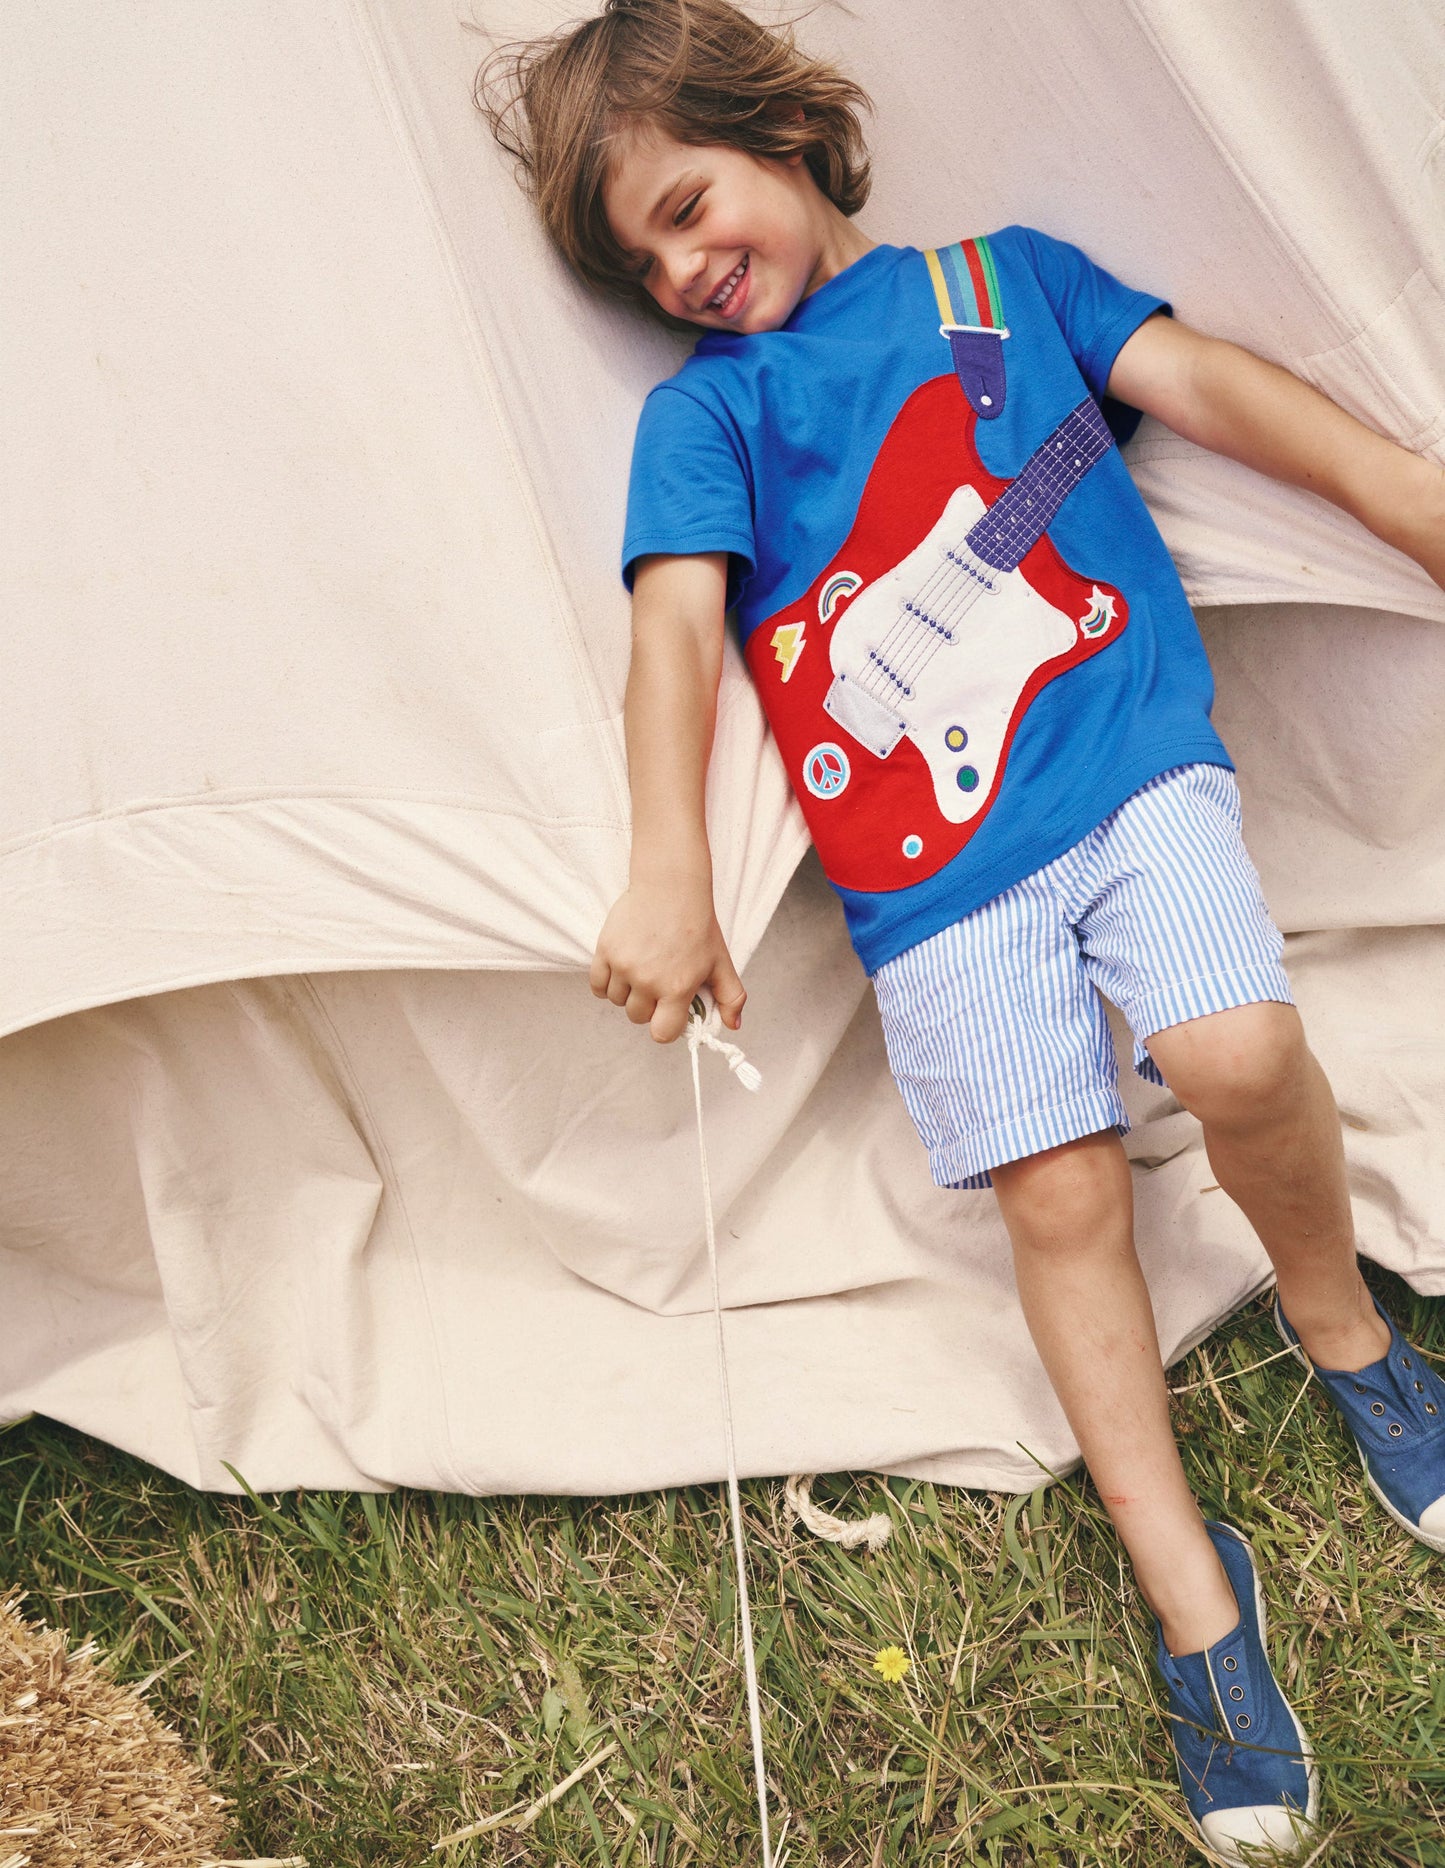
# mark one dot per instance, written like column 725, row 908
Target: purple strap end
column 978, row 360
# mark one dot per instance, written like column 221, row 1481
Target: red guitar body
column 876, row 820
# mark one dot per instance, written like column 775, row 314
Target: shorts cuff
column 1196, row 998
column 965, row 1161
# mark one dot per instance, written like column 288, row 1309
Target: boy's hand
column 658, row 945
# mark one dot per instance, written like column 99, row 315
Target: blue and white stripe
column 995, row 1028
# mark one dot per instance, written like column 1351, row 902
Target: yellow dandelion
column 892, row 1663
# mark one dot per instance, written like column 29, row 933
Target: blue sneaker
column 1395, row 1408
column 1245, row 1765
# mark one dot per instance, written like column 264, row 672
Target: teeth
column 727, row 288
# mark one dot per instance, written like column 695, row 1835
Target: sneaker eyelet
column 1419, row 1388
column 1230, row 1663
column 1236, row 1692
column 1430, row 1408
column 1241, row 1719
column 1395, row 1430
column 1377, row 1407
column 1407, row 1362
column 1359, row 1388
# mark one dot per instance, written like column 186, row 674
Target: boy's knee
column 1066, row 1195
column 1238, row 1068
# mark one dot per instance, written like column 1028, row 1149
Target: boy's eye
column 686, row 209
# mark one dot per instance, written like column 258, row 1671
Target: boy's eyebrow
column 672, row 188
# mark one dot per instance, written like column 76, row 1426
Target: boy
column 899, row 469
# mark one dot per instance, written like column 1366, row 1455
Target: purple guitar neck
column 1016, row 521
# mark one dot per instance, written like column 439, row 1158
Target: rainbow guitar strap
column 895, row 683
column 965, row 283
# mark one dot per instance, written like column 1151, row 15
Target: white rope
column 702, row 1029
column 849, row 1532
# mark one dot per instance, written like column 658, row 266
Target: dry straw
column 88, row 1774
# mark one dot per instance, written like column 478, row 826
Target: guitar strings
column 953, row 588
column 1045, row 477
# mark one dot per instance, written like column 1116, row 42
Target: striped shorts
column 995, row 1028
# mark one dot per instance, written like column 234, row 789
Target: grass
column 364, row 1675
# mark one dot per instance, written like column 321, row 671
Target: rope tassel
column 704, row 1027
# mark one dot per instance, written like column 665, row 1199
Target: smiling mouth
column 722, row 298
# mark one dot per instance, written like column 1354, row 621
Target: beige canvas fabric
column 320, row 1163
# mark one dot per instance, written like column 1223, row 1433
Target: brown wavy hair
column 701, row 70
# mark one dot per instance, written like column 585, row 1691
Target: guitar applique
column 895, row 684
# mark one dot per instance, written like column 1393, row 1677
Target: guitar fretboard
column 1016, row 521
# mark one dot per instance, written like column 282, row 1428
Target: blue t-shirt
column 953, row 713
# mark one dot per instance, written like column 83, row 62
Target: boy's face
column 729, row 241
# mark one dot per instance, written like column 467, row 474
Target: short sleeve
column 1095, row 311
column 689, row 488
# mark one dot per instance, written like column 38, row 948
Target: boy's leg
column 1272, row 1133
column 1069, row 1213
column 1002, row 1052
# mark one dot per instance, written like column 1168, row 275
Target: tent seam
column 224, row 806
column 393, row 961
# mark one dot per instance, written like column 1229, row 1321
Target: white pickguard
column 939, row 646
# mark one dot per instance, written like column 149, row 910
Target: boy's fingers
column 669, row 1020
column 728, row 993
column 598, row 975
column 640, row 1006
column 618, row 987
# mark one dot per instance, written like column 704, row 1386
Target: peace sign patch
column 826, row 770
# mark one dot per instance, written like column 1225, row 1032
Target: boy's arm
column 661, row 940
column 1227, row 399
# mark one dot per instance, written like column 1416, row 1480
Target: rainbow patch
column 840, row 585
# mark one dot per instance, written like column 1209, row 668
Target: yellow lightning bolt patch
column 788, row 645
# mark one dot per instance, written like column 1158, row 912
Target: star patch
column 1100, row 613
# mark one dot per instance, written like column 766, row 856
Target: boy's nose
column 686, row 272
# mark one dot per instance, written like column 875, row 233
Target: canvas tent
column 319, row 1161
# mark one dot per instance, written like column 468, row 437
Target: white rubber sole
column 1420, row 1535
column 1310, row 1818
